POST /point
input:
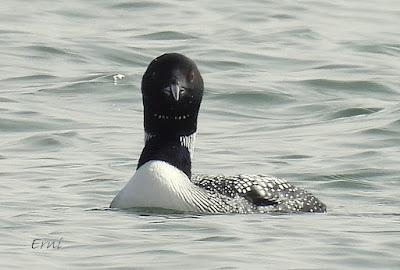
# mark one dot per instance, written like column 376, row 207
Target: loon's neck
column 175, row 150
column 186, row 141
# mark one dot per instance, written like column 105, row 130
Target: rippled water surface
column 305, row 90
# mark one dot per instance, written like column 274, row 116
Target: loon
column 172, row 90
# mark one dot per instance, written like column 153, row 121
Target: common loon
column 172, row 90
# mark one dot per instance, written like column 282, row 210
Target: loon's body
column 151, row 187
column 172, row 89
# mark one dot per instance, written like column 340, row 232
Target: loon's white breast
column 160, row 185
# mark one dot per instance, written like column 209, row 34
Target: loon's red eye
column 190, row 76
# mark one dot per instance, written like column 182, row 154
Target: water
column 304, row 90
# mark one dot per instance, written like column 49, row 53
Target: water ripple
column 245, row 98
column 360, row 87
column 134, row 6
column 166, row 35
column 351, row 112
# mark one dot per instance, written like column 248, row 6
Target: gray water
column 305, row 90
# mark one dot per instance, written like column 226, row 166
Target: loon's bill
column 172, row 91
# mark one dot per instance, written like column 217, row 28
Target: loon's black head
column 172, row 89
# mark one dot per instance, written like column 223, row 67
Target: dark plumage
column 164, row 114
